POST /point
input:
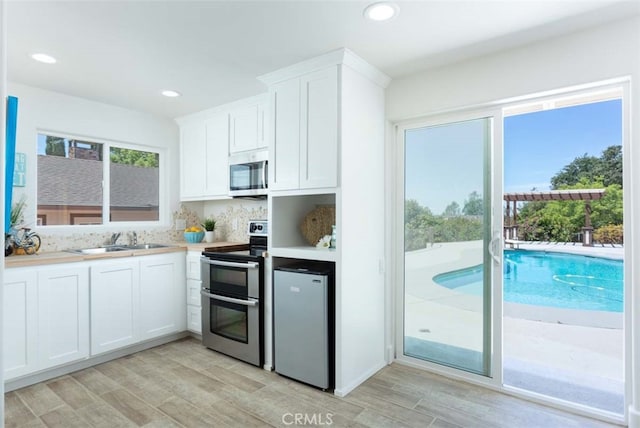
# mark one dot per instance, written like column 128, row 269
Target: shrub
column 610, row 234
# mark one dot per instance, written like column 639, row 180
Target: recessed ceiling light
column 381, row 11
column 47, row 59
column 170, row 93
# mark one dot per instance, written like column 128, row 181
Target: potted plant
column 16, row 217
column 209, row 225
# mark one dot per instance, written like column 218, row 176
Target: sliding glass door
column 446, row 299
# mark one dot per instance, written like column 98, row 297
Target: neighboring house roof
column 66, row 181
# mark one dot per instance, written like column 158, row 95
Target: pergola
column 587, row 195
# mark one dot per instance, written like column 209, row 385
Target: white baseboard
column 634, row 417
column 344, row 390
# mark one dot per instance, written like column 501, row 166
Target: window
column 71, row 174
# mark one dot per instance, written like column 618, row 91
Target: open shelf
column 306, row 253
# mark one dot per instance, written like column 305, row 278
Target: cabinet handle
column 229, row 299
column 248, row 265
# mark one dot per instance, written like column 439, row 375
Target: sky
column 445, row 163
column 538, row 145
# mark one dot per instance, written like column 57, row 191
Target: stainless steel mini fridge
column 304, row 323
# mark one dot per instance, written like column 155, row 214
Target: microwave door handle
column 248, row 265
column 264, row 174
column 229, row 299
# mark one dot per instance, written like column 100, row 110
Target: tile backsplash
column 231, row 218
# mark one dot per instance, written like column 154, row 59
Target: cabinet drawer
column 194, row 322
column 193, row 267
column 193, row 292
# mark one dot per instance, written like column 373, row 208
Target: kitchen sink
column 143, row 246
column 113, row 248
column 97, row 250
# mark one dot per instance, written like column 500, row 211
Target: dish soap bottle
column 332, row 243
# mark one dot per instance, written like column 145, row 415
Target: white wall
column 41, row 110
column 3, row 94
column 601, row 53
column 360, row 287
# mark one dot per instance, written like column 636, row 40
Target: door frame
column 492, row 307
column 496, row 109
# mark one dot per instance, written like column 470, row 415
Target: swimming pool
column 549, row 279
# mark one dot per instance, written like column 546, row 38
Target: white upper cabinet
column 246, row 125
column 217, row 156
column 204, row 145
column 208, row 137
column 284, row 149
column 193, row 141
column 319, row 129
column 304, row 134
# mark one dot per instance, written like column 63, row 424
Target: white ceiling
column 124, row 52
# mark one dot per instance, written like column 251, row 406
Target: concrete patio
column 581, row 363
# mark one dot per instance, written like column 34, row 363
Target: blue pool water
column 549, row 279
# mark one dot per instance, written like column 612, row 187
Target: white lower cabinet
column 45, row 318
column 19, row 322
column 194, row 319
column 194, row 284
column 160, row 291
column 136, row 299
column 115, row 304
column 63, row 315
column 57, row 314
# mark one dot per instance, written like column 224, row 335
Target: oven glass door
column 240, row 279
column 248, row 176
column 229, row 320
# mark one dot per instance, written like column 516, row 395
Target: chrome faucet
column 134, row 238
column 114, row 238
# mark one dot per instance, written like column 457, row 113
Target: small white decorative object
column 324, row 242
column 209, row 236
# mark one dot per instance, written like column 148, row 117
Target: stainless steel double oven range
column 232, row 298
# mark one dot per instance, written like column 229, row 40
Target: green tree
column 606, row 168
column 611, row 166
column 54, row 146
column 564, row 220
column 134, row 157
column 452, row 210
column 474, row 205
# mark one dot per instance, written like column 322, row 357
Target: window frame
column 107, row 144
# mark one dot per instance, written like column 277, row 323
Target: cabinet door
column 115, row 303
column 319, row 129
column 19, row 322
column 193, row 292
column 217, row 156
column 194, row 320
column 160, row 292
column 243, row 129
column 262, row 128
column 284, row 144
column 63, row 315
column 193, row 265
column 193, row 160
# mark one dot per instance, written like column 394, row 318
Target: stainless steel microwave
column 248, row 174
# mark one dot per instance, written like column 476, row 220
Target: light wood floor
column 182, row 384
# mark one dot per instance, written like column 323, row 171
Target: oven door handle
column 248, row 265
column 229, row 299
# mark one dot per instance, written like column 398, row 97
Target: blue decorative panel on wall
column 10, row 156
